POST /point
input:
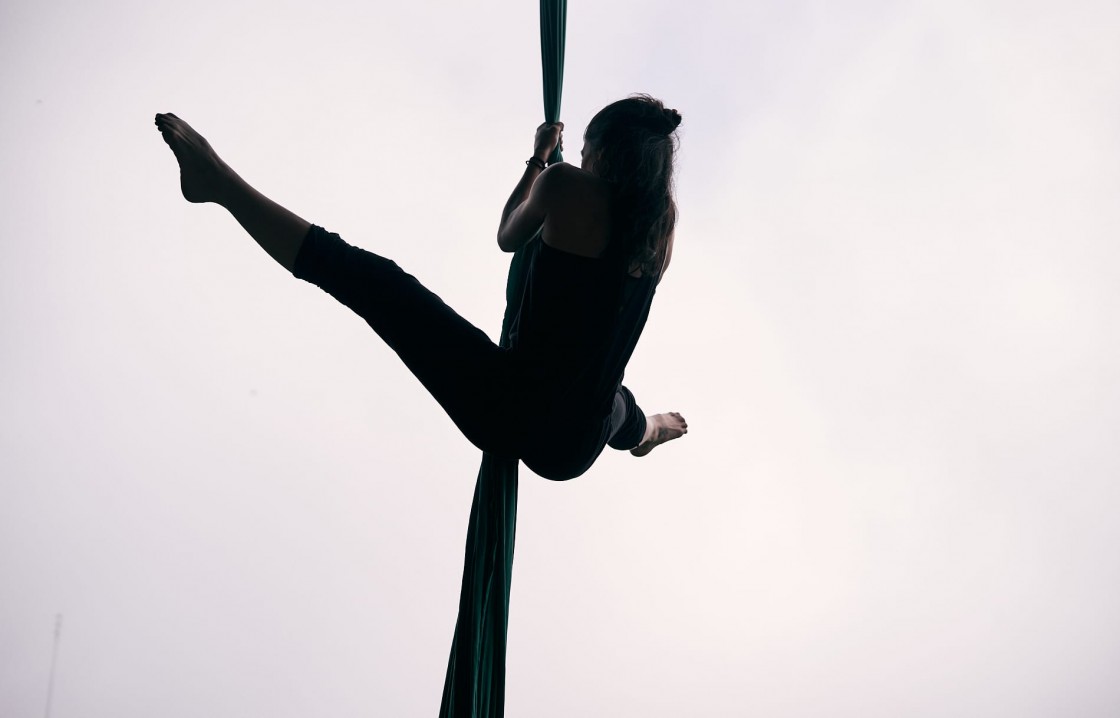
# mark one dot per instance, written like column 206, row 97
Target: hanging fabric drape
column 476, row 670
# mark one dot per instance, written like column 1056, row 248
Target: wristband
column 536, row 162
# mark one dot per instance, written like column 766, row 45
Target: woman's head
column 632, row 144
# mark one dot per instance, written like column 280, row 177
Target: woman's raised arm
column 526, row 209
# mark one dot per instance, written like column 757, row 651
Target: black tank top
column 579, row 322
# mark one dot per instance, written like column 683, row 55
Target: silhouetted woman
column 554, row 398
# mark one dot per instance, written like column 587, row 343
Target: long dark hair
column 636, row 141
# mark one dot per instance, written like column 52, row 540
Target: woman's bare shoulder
column 568, row 179
column 579, row 220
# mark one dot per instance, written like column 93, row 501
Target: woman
column 554, row 397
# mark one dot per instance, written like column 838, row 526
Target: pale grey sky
column 891, row 322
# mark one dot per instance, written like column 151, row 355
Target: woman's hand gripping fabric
column 550, row 137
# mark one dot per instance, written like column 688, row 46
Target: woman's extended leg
column 204, row 177
column 460, row 366
column 467, row 373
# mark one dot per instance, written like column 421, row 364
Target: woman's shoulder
column 565, row 180
column 578, row 220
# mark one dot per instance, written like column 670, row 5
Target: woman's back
column 579, row 322
column 581, row 313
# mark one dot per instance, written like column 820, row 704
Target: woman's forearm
column 520, row 193
column 549, row 137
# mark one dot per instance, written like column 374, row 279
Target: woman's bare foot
column 659, row 429
column 203, row 175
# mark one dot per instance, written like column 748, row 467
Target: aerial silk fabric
column 475, row 684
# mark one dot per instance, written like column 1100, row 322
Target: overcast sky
column 891, row 322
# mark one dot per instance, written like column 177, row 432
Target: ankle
column 651, row 430
column 231, row 191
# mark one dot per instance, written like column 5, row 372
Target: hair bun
column 673, row 117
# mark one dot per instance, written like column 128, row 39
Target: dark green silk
column 475, row 685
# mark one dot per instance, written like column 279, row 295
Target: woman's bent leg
column 570, row 445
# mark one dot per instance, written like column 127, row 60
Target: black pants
column 473, row 379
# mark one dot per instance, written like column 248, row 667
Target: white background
column 891, row 323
